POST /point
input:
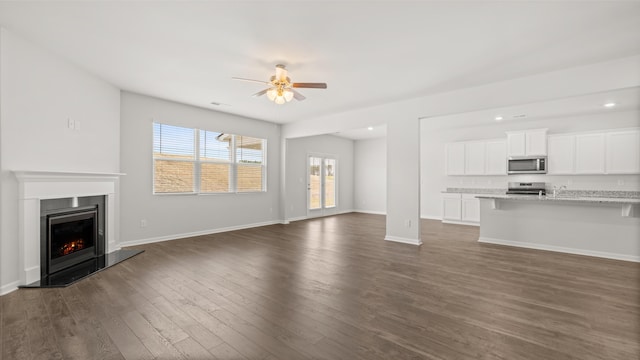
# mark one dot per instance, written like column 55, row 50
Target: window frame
column 197, row 162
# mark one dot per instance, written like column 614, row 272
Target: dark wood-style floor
column 331, row 288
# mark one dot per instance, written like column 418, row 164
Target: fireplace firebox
column 72, row 237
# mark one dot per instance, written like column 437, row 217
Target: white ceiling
column 624, row 100
column 368, row 52
column 370, row 132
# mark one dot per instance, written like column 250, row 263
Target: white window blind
column 215, row 168
column 174, row 159
column 249, row 160
column 201, row 161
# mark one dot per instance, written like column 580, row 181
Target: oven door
column 527, row 165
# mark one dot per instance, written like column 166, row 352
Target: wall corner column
column 403, row 181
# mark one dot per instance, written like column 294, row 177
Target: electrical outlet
column 70, row 123
column 407, row 223
column 143, row 223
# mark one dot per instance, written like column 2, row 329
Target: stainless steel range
column 526, row 188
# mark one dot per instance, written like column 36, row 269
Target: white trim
column 341, row 212
column 431, row 217
column 10, row 287
column 535, row 246
column 31, row 175
column 196, row 233
column 460, row 222
column 371, row 212
column 402, row 240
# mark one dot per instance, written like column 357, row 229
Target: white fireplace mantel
column 34, row 186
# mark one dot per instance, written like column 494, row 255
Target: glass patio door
column 321, row 185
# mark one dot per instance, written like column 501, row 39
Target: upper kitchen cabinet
column 496, row 157
column 623, row 152
column 481, row 157
column 475, row 158
column 562, row 150
column 455, row 158
column 590, row 153
column 526, row 143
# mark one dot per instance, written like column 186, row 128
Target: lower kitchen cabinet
column 470, row 208
column 460, row 209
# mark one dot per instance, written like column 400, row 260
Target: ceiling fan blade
column 281, row 72
column 310, row 85
column 297, row 95
column 251, row 80
column 260, row 93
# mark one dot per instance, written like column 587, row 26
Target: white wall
column 433, row 141
column 39, row 92
column 296, row 172
column 370, row 165
column 173, row 216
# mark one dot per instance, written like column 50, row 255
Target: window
column 201, row 161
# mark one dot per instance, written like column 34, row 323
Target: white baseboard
column 566, row 250
column 195, row 233
column 371, row 212
column 409, row 241
column 298, row 218
column 460, row 222
column 431, row 217
column 10, row 287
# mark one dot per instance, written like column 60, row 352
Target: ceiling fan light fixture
column 288, row 95
column 280, row 88
column 272, row 94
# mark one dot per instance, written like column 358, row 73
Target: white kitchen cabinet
column 536, row 142
column 460, row 209
column 590, row 153
column 455, row 158
column 516, row 143
column 623, row 152
column 470, row 208
column 451, row 207
column 561, row 157
column 496, row 157
column 474, row 160
column 527, row 143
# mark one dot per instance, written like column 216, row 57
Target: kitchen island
column 606, row 227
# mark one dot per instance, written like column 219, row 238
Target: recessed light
column 498, row 118
column 370, row 128
column 609, row 105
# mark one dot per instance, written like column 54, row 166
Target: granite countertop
column 590, row 196
column 586, row 199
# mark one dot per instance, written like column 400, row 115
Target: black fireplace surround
column 73, row 241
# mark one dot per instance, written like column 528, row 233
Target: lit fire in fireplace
column 72, row 246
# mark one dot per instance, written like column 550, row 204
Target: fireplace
column 72, row 238
column 43, row 193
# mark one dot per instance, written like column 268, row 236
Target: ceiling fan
column 281, row 89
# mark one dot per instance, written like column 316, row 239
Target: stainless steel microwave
column 527, row 165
